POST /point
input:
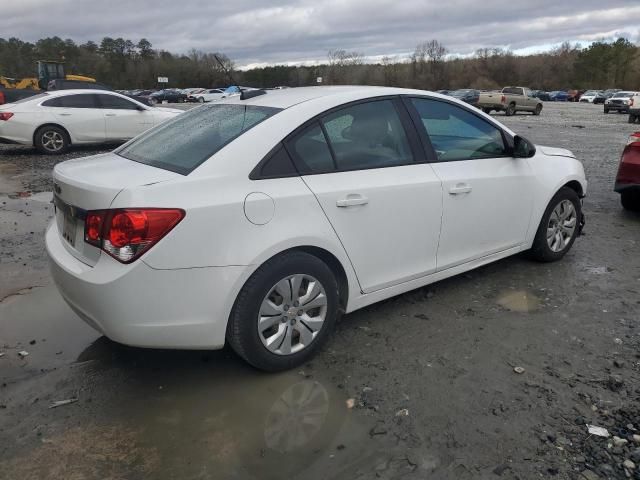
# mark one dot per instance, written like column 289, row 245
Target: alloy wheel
column 52, row 141
column 562, row 225
column 292, row 314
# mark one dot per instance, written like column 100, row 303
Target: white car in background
column 258, row 219
column 55, row 120
column 590, row 95
column 207, row 95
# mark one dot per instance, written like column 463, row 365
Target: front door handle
column 460, row 188
column 65, row 114
column 352, row 200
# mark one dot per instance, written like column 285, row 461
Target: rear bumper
column 144, row 307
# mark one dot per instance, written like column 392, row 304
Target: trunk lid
column 93, row 183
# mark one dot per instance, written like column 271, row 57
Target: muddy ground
column 420, row 386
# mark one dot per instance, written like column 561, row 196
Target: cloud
column 284, row 31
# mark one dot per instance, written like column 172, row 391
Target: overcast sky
column 287, row 31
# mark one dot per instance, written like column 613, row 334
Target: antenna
column 227, row 72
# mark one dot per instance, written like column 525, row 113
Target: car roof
column 288, row 97
column 72, row 91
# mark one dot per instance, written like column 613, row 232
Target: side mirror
column 523, row 148
column 140, row 108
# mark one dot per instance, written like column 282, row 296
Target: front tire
column 52, row 140
column 538, row 110
column 632, row 118
column 558, row 228
column 486, row 110
column 285, row 312
column 200, row 99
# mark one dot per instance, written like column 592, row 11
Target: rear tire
column 511, row 110
column 630, row 200
column 487, row 110
column 557, row 232
column 632, row 118
column 289, row 340
column 200, row 99
column 51, row 140
column 606, row 110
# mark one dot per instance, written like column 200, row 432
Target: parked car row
column 177, row 95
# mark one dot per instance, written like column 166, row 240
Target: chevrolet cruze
column 261, row 218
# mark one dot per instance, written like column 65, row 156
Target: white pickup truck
column 510, row 100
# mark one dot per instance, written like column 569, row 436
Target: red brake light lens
column 634, row 138
column 5, row 115
column 503, row 99
column 125, row 234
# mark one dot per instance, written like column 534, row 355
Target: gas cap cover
column 259, row 208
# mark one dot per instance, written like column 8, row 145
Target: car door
column 363, row 166
column 79, row 114
column 487, row 194
column 124, row 119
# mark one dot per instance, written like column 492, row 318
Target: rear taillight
column 2, row 99
column 631, row 102
column 634, row 138
column 5, row 115
column 503, row 99
column 127, row 233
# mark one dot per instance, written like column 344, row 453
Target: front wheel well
column 51, row 125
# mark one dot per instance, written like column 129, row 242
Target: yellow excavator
column 16, row 88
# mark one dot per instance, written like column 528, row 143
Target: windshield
column 183, row 143
column 591, row 92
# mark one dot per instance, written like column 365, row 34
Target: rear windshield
column 184, row 142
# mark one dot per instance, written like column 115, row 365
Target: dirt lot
column 429, row 375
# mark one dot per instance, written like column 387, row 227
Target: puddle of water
column 177, row 414
column 42, row 316
column 519, row 301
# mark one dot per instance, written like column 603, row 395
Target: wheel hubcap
column 292, row 314
column 562, row 225
column 52, row 141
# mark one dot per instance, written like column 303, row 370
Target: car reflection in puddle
column 182, row 414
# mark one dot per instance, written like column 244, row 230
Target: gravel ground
column 420, row 386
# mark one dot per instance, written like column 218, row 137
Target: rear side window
column 457, row 134
column 183, row 143
column 368, row 135
column 73, row 101
column 116, row 103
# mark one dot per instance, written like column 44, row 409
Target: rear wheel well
column 576, row 187
column 334, row 264
column 51, row 125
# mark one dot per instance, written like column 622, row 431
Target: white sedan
column 259, row 219
column 53, row 121
column 207, row 95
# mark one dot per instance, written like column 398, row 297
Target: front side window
column 457, row 134
column 183, row 143
column 73, row 101
column 116, row 103
column 368, row 135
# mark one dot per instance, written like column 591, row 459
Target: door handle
column 65, row 114
column 460, row 188
column 352, row 200
column 109, row 114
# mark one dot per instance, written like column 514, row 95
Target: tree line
column 122, row 63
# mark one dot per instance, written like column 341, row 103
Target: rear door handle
column 460, row 188
column 352, row 200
